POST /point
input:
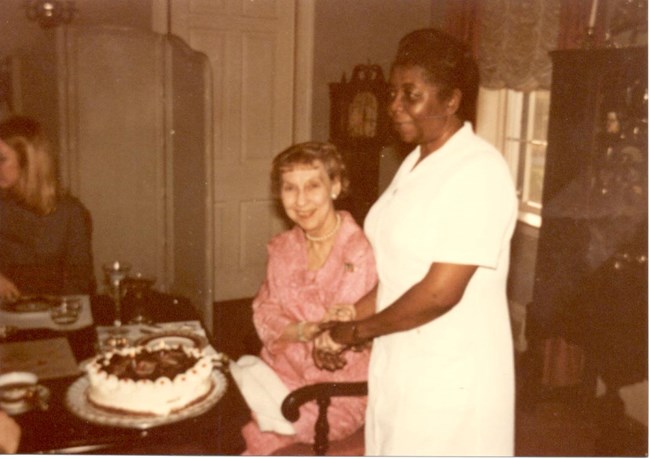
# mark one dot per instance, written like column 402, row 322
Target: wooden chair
column 234, row 334
column 322, row 393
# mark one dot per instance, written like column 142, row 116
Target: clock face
column 362, row 115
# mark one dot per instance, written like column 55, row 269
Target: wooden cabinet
column 591, row 273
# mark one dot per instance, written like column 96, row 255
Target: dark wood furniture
column 57, row 430
column 591, row 274
column 322, row 393
column 360, row 127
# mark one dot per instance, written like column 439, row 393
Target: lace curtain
column 512, row 38
column 515, row 39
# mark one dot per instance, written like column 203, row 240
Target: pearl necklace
column 328, row 235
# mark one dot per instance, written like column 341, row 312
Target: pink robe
column 292, row 293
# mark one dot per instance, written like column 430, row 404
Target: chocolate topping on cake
column 149, row 364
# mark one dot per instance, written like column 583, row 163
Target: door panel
column 251, row 49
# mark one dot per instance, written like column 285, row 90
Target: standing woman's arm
column 367, row 305
column 438, row 292
column 485, row 209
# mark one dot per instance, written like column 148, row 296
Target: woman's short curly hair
column 447, row 63
column 306, row 154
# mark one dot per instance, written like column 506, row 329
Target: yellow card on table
column 47, row 358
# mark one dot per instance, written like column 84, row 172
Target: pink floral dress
column 292, row 293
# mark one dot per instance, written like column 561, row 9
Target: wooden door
column 251, row 48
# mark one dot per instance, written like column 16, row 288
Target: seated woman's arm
column 275, row 326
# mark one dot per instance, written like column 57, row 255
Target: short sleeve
column 479, row 210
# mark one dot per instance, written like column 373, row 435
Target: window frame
column 511, row 131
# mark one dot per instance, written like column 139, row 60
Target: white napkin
column 263, row 391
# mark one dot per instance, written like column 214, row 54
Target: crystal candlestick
column 115, row 272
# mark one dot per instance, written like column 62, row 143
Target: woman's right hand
column 8, row 290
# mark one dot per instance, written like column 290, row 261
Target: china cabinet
column 591, row 273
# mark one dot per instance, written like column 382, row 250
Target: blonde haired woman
column 44, row 232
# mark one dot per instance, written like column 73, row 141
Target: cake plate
column 77, row 402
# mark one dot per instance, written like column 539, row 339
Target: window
column 516, row 123
column 524, row 147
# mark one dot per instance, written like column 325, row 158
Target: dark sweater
column 47, row 254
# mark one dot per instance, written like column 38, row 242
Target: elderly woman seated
column 324, row 260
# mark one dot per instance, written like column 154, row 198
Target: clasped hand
column 336, row 337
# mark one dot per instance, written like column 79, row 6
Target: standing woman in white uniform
column 441, row 377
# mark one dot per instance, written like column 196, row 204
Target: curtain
column 512, row 38
column 461, row 21
column 515, row 39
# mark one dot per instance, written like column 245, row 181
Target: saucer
column 38, row 399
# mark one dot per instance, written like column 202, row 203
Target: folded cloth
column 263, row 391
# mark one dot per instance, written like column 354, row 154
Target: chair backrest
column 322, row 393
column 233, row 329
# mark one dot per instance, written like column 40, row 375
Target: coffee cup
column 17, row 390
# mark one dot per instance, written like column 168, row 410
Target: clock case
column 360, row 128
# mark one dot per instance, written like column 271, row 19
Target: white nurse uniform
column 445, row 387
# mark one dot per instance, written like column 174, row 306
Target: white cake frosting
column 149, row 381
